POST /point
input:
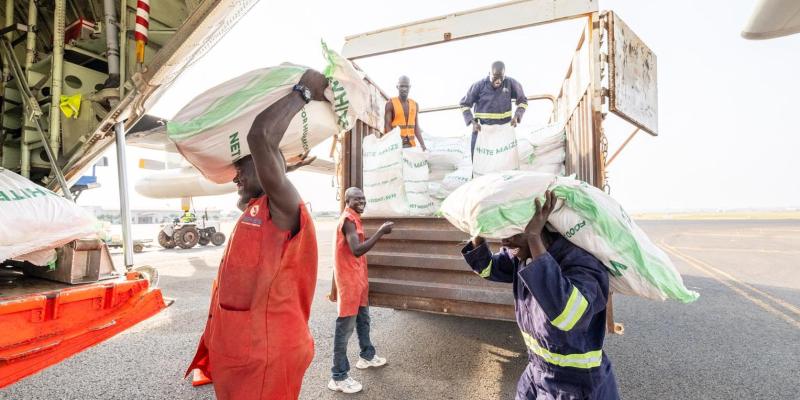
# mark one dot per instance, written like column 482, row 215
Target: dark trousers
column 344, row 329
column 472, row 146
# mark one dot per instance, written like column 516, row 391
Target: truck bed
column 419, row 267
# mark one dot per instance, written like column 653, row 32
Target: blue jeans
column 344, row 329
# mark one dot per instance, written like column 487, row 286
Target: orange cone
column 199, row 378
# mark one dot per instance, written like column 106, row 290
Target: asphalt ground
column 741, row 339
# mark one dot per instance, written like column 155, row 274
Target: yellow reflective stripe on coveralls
column 486, row 271
column 493, row 115
column 573, row 311
column 588, row 360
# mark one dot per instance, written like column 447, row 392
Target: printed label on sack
column 21, row 194
column 236, row 150
column 575, row 229
column 392, row 147
column 304, row 136
column 500, row 150
column 382, row 198
column 418, row 164
column 340, row 103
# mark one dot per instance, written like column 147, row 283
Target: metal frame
column 482, row 21
column 411, row 269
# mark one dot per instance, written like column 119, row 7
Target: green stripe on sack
column 517, row 212
column 226, row 108
column 619, row 238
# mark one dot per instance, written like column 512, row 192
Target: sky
column 728, row 136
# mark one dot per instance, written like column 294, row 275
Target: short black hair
column 498, row 65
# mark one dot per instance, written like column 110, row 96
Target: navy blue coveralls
column 493, row 106
column 560, row 305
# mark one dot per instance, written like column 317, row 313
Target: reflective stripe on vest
column 573, row 311
column 588, row 360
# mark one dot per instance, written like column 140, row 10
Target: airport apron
column 256, row 344
column 350, row 272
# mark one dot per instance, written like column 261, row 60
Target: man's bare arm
column 264, row 138
column 358, row 248
column 418, row 134
column 388, row 116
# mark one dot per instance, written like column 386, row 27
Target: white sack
column 211, row 130
column 36, row 219
column 500, row 205
column 383, row 175
column 495, row 150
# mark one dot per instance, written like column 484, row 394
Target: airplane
column 773, row 19
column 176, row 177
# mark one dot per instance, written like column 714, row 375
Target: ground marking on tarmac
column 690, row 248
column 731, row 282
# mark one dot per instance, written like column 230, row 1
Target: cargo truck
column 419, row 266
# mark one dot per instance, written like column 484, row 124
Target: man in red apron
column 351, row 288
column 256, row 344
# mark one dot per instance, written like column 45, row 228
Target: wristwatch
column 304, row 91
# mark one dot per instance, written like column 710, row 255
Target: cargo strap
column 588, row 360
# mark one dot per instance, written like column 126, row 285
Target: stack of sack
column 450, row 165
column 36, row 221
column 383, row 166
column 211, row 130
column 543, row 150
column 415, row 180
column 500, row 205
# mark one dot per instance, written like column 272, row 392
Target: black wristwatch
column 304, row 91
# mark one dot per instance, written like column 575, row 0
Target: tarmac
column 741, row 339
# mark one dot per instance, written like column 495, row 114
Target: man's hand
column 514, row 121
column 476, row 126
column 477, row 241
column 316, row 83
column 332, row 296
column 304, row 160
column 386, row 228
column 533, row 230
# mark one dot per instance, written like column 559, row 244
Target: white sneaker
column 348, row 385
column 375, row 362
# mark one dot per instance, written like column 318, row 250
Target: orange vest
column 350, row 272
column 257, row 345
column 406, row 124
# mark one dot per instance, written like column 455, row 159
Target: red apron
column 257, row 344
column 350, row 272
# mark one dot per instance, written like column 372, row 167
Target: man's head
column 498, row 73
column 246, row 180
column 518, row 244
column 354, row 198
column 403, row 87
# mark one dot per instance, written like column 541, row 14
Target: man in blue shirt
column 491, row 98
column 560, row 293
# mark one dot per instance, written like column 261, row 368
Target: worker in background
column 491, row 98
column 256, row 344
column 350, row 287
column 188, row 216
column 402, row 111
column 560, row 292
